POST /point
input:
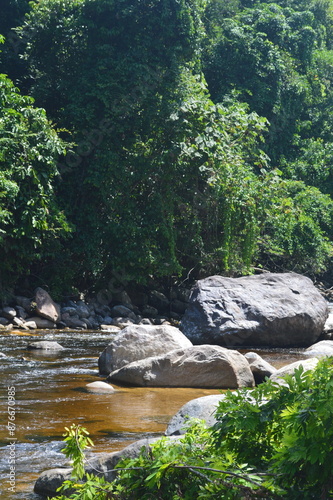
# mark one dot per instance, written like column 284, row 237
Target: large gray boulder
column 276, row 310
column 203, row 408
column 196, row 366
column 138, row 342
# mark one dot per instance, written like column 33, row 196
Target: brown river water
column 49, row 394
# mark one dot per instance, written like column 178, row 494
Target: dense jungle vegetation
column 161, row 137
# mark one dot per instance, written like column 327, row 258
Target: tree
column 163, row 177
column 30, row 221
column 151, row 145
column 272, row 54
column 12, row 15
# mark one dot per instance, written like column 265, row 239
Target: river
column 50, row 395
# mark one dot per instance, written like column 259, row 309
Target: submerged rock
column 46, row 345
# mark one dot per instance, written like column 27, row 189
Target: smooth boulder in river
column 100, row 387
column 197, row 366
column 276, row 310
column 138, row 342
column 203, row 408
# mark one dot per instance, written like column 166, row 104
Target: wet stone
column 46, row 346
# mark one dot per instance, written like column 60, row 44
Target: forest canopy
column 162, row 137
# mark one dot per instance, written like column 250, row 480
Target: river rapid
column 43, row 393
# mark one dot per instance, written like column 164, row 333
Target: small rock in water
column 100, row 388
column 110, row 328
column 259, row 367
column 46, row 345
column 320, row 349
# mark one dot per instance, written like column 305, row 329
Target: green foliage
column 284, row 429
column 12, row 13
column 167, row 173
column 77, row 440
column 273, row 442
column 92, row 488
column 112, row 74
column 29, row 216
column 184, row 469
column 275, row 55
column 295, row 227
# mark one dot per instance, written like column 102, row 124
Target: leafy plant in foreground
column 285, row 430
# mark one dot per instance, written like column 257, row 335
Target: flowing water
column 48, row 393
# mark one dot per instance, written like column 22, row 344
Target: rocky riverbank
column 283, row 309
column 104, row 311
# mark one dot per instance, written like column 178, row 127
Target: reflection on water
column 50, row 394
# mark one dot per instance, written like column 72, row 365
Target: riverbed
column 50, row 395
